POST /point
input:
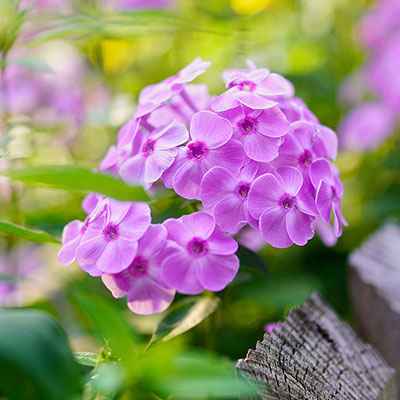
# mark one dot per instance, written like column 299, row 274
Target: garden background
column 72, row 71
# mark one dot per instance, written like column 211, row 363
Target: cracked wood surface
column 375, row 292
column 315, row 355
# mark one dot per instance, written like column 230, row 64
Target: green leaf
column 5, row 155
column 79, row 179
column 35, row 360
column 109, row 325
column 199, row 375
column 183, row 316
column 6, row 278
column 86, row 358
column 250, row 259
column 26, row 233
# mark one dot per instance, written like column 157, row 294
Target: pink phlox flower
column 91, row 201
column 380, row 24
column 130, row 139
column 271, row 327
column 109, row 244
column 178, row 109
column 329, row 190
column 253, row 88
column 157, row 153
column 251, row 238
column 225, row 196
column 204, row 257
column 382, row 73
column 260, row 131
column 154, row 95
column 143, row 282
column 282, row 209
column 143, row 4
column 296, row 110
column 211, row 145
column 366, row 126
column 304, row 143
column 74, row 231
column 325, row 232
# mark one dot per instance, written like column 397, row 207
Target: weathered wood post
column 314, row 355
column 375, row 292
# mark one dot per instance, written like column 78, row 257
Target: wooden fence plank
column 315, row 355
column 375, row 292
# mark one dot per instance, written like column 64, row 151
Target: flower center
column 197, row 150
column 148, row 147
column 110, row 232
column 287, row 202
column 306, row 159
column 197, row 247
column 244, row 190
column 138, row 267
column 246, row 86
column 247, row 125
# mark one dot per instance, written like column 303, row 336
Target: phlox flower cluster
column 254, row 157
column 369, row 122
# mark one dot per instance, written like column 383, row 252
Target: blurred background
column 71, row 72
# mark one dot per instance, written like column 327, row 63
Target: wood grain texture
column 375, row 292
column 315, row 355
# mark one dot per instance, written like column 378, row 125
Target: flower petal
column 292, row 179
column 225, row 101
column 175, row 136
column 265, row 192
column 229, row 214
column 221, row 244
column 117, row 256
column 210, row 128
column 199, row 224
column 147, row 297
column 230, row 156
column 324, row 201
column 135, row 222
column 273, row 227
column 187, row 179
column 214, row 272
column 216, row 184
column 133, row 170
column 300, row 226
column 90, row 251
column 254, row 100
column 272, row 122
column 178, row 232
column 158, row 162
column 152, row 241
column 261, row 148
column 179, row 273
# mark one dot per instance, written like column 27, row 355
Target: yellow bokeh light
column 117, row 54
column 246, row 7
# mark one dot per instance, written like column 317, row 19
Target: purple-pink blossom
column 157, row 153
column 142, row 282
column 271, row 327
column 260, row 131
column 211, row 145
column 153, row 96
column 329, row 190
column 204, row 258
column 366, row 126
column 253, row 88
column 109, row 243
column 256, row 157
column 285, row 214
column 226, row 196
